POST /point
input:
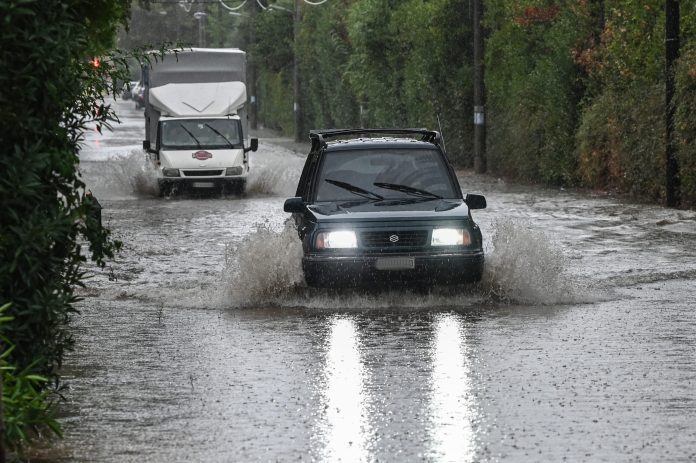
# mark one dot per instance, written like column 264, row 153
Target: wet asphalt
column 200, row 342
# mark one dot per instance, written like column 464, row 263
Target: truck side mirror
column 146, row 146
column 475, row 201
column 254, row 145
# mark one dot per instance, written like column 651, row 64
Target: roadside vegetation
column 575, row 87
column 51, row 89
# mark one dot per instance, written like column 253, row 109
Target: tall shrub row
column 49, row 92
column 371, row 63
column 575, row 87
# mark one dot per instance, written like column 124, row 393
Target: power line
column 190, row 3
column 229, row 8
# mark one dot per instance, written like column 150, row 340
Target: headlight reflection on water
column 452, row 405
column 348, row 430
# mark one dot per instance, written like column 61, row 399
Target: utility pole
column 220, row 27
column 295, row 74
column 200, row 16
column 671, row 54
column 251, row 74
column 479, row 91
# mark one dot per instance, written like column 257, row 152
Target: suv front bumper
column 454, row 268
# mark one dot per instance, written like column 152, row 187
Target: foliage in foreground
column 27, row 405
column 49, row 93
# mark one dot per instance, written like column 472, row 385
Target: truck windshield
column 201, row 134
column 386, row 173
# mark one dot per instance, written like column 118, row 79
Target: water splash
column 123, row 175
column 274, row 172
column 527, row 267
column 524, row 267
column 265, row 266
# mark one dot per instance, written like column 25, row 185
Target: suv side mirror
column 294, row 205
column 475, row 201
column 253, row 146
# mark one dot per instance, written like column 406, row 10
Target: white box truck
column 196, row 130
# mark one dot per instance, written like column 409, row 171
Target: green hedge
column 574, row 87
column 686, row 122
column 49, row 91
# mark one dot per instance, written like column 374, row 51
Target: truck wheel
column 165, row 188
column 237, row 188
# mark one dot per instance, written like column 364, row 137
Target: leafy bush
column 686, row 123
column 575, row 89
column 274, row 90
column 50, row 90
column 621, row 139
column 621, row 142
column 325, row 51
column 27, row 406
column 534, row 88
column 273, row 54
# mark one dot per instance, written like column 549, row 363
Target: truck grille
column 394, row 239
column 203, row 173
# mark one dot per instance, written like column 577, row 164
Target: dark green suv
column 378, row 207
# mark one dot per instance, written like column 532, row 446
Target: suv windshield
column 201, row 134
column 384, row 173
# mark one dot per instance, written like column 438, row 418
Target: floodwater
column 200, row 342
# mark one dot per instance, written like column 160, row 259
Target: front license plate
column 395, row 263
column 203, row 184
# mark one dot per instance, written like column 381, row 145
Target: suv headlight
column 343, row 239
column 234, row 171
column 170, row 172
column 450, row 237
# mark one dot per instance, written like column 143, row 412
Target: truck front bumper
column 169, row 185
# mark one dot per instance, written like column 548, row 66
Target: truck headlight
column 234, row 171
column 343, row 239
column 170, row 172
column 450, row 237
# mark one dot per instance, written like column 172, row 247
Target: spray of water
column 523, row 267
column 274, row 172
column 264, row 267
column 123, row 175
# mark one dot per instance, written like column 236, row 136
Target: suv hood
column 368, row 211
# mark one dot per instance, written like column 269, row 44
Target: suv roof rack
column 320, row 137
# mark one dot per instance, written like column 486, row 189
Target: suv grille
column 394, row 239
column 202, row 173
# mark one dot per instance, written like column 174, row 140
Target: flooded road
column 201, row 342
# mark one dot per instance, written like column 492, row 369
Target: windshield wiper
column 404, row 201
column 218, row 132
column 407, row 189
column 354, row 189
column 189, row 132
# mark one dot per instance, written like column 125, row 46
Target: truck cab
column 202, row 152
column 195, row 120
